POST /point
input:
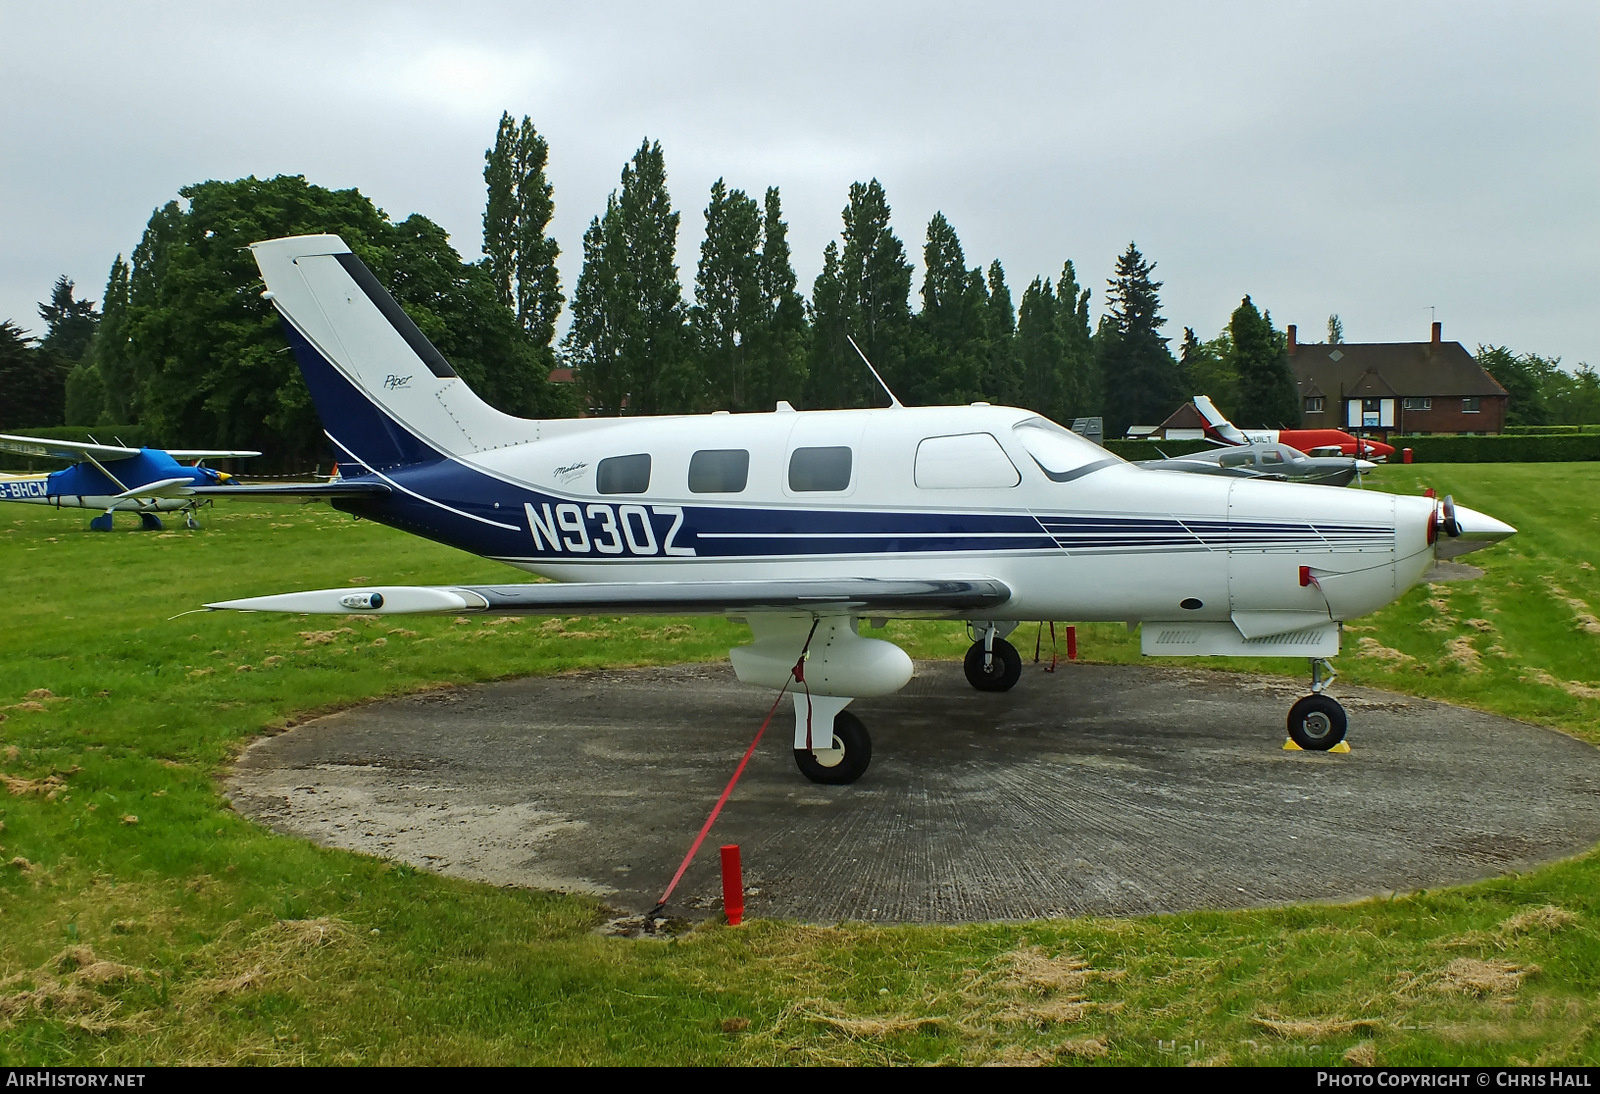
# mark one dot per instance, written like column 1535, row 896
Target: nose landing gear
column 1317, row 722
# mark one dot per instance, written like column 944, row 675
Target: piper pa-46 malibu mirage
column 805, row 523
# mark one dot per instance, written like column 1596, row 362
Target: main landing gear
column 992, row 663
column 1317, row 722
column 847, row 759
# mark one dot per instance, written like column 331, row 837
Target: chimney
column 1291, row 340
column 1438, row 332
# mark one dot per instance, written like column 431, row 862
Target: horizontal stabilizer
column 164, row 488
column 852, row 596
column 293, row 490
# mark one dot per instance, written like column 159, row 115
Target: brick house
column 1379, row 388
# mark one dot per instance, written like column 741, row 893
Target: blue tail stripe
column 347, row 413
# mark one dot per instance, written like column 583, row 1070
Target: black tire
column 1005, row 667
column 850, row 738
column 1316, row 723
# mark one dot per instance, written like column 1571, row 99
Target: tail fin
column 385, row 394
column 1216, row 425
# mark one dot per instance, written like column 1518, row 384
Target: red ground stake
column 1072, row 643
column 732, row 884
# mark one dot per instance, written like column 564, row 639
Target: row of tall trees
column 181, row 341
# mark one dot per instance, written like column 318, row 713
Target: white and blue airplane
column 804, row 524
column 116, row 478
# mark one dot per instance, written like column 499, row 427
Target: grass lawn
column 141, row 921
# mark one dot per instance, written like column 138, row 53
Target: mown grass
column 142, row 921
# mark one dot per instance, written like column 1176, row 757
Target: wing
column 845, row 596
column 73, row 451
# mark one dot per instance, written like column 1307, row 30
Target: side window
column 719, row 471
column 967, row 460
column 624, row 474
column 819, row 469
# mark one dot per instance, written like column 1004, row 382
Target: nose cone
column 1478, row 530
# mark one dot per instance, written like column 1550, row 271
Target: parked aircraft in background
column 116, row 478
column 1266, row 461
column 1317, row 442
column 803, row 524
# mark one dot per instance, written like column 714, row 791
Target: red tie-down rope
column 798, row 673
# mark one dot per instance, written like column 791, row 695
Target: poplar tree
column 1001, row 381
column 947, row 363
column 832, row 379
column 1039, row 348
column 520, row 255
column 777, row 345
column 1138, row 374
column 1080, row 378
column 877, row 291
column 628, row 338
column 728, row 306
column 1268, row 395
column 108, row 353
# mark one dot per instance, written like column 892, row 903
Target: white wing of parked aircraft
column 803, row 524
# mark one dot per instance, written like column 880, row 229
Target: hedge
column 1563, row 448
column 1559, row 448
column 1548, row 430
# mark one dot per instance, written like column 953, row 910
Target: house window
column 1469, row 405
column 1313, row 406
column 1416, row 402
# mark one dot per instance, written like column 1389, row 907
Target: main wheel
column 1003, row 671
column 846, row 761
column 1316, row 723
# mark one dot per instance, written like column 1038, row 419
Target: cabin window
column 966, row 461
column 1313, row 406
column 814, row 469
column 1061, row 454
column 719, row 471
column 1469, row 405
column 624, row 474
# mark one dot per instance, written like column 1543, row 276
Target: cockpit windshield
column 1061, row 454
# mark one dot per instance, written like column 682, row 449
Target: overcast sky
column 1377, row 160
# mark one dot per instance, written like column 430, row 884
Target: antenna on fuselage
column 892, row 400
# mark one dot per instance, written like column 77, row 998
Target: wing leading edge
column 852, row 596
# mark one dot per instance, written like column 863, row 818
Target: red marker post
column 732, row 884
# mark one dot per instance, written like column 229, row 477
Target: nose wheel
column 846, row 761
column 1317, row 722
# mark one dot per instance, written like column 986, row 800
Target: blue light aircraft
column 805, row 524
column 114, row 478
